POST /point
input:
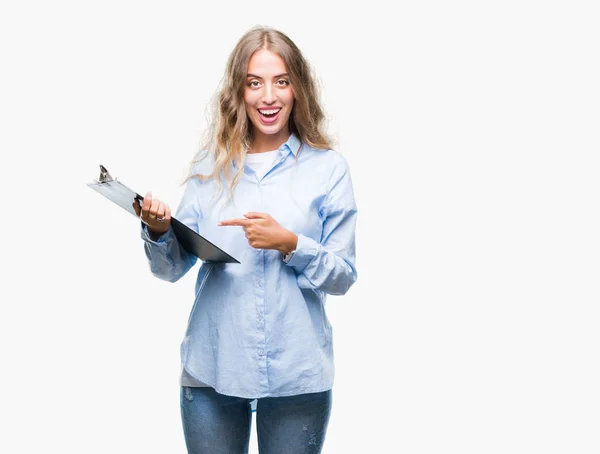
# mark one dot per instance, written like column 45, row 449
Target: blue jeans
column 214, row 423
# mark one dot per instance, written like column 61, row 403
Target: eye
column 254, row 83
column 285, row 82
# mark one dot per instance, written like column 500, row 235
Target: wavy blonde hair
column 228, row 137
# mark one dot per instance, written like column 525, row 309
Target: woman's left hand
column 264, row 232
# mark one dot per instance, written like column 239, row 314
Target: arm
column 168, row 260
column 328, row 265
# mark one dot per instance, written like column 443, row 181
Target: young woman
column 268, row 189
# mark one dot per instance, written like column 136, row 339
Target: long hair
column 228, row 137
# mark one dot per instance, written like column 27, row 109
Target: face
column 269, row 98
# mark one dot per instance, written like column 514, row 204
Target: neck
column 268, row 142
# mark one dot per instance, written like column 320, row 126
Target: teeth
column 269, row 112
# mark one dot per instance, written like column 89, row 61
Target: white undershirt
column 261, row 163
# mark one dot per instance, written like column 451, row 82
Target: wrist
column 289, row 243
column 153, row 234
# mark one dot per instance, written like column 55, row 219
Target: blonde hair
column 228, row 137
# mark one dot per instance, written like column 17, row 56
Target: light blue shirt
column 259, row 328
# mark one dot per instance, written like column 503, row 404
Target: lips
column 269, row 119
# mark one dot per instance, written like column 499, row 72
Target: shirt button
column 261, row 352
column 259, row 283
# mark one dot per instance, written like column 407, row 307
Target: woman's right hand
column 154, row 213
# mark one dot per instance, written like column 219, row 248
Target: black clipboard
column 193, row 243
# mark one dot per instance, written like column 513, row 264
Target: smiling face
column 269, row 99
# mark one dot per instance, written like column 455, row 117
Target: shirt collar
column 292, row 145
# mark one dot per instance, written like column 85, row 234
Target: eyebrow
column 274, row 77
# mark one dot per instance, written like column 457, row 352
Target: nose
column 269, row 96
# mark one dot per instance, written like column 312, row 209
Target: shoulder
column 328, row 158
column 201, row 164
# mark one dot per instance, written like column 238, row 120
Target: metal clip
column 104, row 175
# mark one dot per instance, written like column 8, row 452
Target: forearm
column 154, row 236
column 168, row 260
column 330, row 271
column 288, row 243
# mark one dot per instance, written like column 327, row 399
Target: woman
column 258, row 329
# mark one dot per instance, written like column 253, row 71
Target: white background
column 471, row 130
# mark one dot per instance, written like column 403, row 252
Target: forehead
column 266, row 63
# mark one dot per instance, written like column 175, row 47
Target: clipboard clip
column 104, row 175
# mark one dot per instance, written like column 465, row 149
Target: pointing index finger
column 242, row 222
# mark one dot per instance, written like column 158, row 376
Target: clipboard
column 192, row 242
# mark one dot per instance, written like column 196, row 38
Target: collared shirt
column 259, row 328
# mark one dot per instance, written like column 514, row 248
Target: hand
column 154, row 213
column 264, row 232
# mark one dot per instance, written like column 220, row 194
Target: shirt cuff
column 306, row 251
column 164, row 238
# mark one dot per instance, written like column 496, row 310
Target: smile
column 269, row 112
column 269, row 116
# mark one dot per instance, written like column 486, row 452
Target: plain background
column 471, row 130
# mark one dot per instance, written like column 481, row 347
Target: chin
column 269, row 130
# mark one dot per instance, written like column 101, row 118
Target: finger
column 242, row 222
column 146, row 204
column 154, row 208
column 160, row 212
column 167, row 213
column 256, row 215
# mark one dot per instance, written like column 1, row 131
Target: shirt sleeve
column 329, row 265
column 168, row 260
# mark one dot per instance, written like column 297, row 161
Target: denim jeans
column 214, row 423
